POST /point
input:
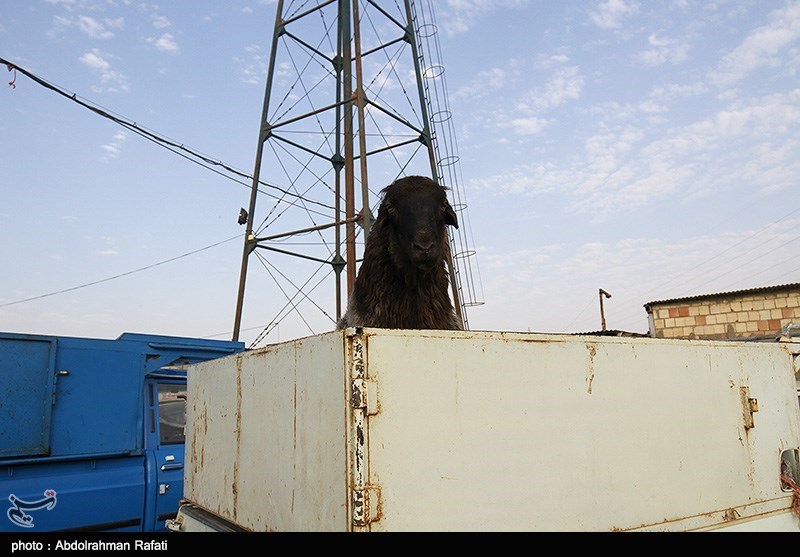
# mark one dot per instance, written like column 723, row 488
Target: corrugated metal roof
column 777, row 288
column 613, row 333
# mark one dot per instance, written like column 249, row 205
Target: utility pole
column 602, row 312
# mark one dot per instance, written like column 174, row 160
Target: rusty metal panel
column 500, row 431
column 390, row 430
column 266, row 437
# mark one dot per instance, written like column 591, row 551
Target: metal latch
column 749, row 406
column 58, row 374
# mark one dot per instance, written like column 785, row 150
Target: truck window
column 171, row 413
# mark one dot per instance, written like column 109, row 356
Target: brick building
column 743, row 314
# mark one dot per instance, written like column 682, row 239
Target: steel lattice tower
column 354, row 99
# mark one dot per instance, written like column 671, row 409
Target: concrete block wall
column 737, row 316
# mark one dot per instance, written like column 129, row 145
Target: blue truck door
column 166, row 439
column 27, row 384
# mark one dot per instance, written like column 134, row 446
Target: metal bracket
column 174, row 524
column 749, row 406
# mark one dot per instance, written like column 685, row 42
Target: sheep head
column 417, row 209
column 403, row 282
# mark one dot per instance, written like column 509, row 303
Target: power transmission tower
column 352, row 102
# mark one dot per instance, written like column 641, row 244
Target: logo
column 17, row 515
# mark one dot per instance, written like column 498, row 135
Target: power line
column 726, row 250
column 107, row 279
column 749, row 262
column 733, row 259
column 175, row 147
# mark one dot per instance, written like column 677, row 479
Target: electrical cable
column 107, row 279
column 201, row 159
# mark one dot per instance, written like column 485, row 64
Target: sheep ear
column 450, row 215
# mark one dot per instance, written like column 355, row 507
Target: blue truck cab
column 92, row 430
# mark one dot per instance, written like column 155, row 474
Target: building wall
column 735, row 316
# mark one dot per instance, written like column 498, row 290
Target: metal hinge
column 364, row 395
column 366, row 505
column 749, row 406
column 365, row 498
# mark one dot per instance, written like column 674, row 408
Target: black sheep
column 403, row 282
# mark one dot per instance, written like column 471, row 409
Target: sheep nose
column 424, row 246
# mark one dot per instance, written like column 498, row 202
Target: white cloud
column 609, row 14
column 485, row 82
column 117, row 23
column 112, row 80
column 112, row 149
column 253, row 68
column 460, row 15
column 89, row 26
column 676, row 90
column 93, row 28
column 546, row 61
column 626, row 167
column 527, row 126
column 165, row 43
column 663, row 50
column 761, row 48
column 161, row 22
column 96, row 61
column 523, row 116
column 565, row 84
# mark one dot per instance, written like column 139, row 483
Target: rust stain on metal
column 749, row 407
column 360, row 435
column 730, row 515
column 294, row 419
column 199, row 430
column 358, row 508
column 359, row 503
column 358, row 395
column 238, row 436
column 590, row 368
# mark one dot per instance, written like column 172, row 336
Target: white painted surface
column 495, row 431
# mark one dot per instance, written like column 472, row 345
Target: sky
column 649, row 149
